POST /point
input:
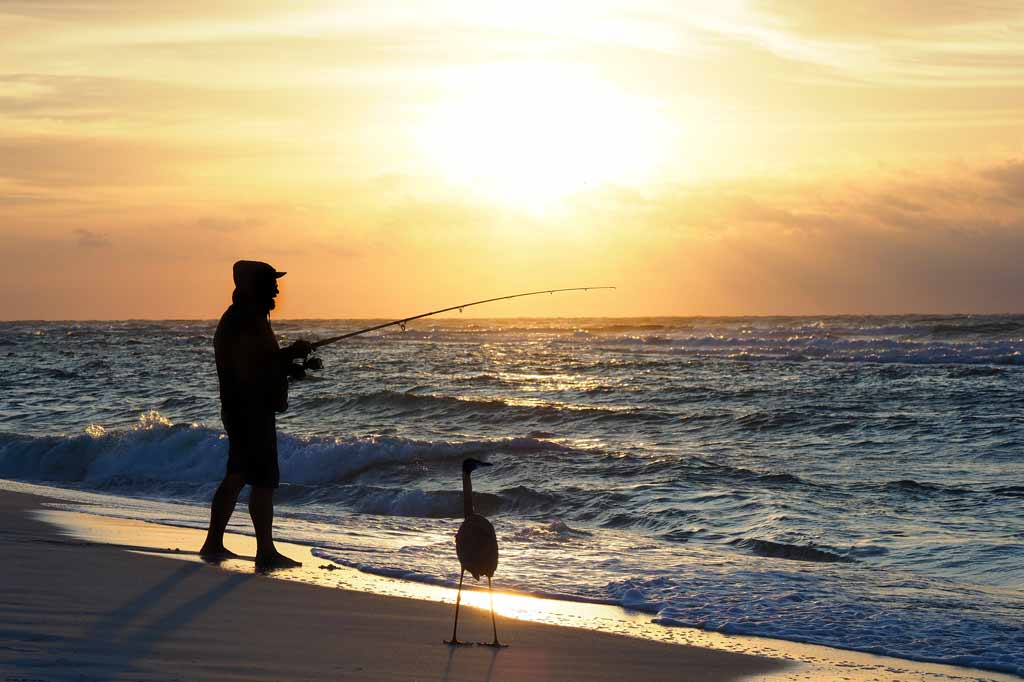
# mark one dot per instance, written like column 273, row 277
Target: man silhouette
column 252, row 371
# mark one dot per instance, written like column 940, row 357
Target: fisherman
column 253, row 374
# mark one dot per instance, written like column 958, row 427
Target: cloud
column 91, row 240
column 1009, row 179
column 226, row 224
column 919, row 44
column 102, row 11
column 919, row 240
column 881, row 17
column 944, row 240
column 143, row 107
column 14, row 198
column 52, row 161
column 85, row 99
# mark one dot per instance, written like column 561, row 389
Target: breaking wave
column 156, row 451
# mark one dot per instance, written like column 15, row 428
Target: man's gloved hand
column 299, row 349
column 296, row 372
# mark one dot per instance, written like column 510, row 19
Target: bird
column 477, row 548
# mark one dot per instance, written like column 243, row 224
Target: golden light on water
column 518, row 606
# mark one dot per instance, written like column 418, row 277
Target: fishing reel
column 297, row 370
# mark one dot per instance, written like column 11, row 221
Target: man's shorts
column 252, row 448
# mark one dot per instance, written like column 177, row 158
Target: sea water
column 850, row 481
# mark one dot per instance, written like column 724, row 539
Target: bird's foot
column 495, row 644
column 455, row 642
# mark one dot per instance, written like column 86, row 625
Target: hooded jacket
column 251, row 370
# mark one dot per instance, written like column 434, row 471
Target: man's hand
column 299, row 349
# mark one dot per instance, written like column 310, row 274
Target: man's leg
column 261, row 509
column 220, row 513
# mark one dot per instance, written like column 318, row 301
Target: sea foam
column 155, row 450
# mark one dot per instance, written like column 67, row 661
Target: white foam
column 155, row 450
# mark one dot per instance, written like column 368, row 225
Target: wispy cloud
column 91, row 240
column 943, row 240
column 915, row 43
column 879, row 18
column 947, row 240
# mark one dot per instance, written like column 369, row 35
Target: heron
column 477, row 548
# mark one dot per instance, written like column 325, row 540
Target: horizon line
column 530, row 317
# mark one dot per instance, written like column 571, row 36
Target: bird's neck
column 467, row 494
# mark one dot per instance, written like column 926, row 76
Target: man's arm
column 257, row 363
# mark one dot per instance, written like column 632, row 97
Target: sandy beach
column 89, row 597
column 82, row 611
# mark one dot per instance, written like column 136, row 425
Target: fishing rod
column 404, row 321
column 312, row 363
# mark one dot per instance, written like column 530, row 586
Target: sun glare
column 531, row 135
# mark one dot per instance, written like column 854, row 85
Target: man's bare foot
column 270, row 562
column 220, row 553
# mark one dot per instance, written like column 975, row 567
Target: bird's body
column 476, row 546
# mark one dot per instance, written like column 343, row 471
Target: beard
column 265, row 305
column 262, row 301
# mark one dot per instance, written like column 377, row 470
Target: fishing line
column 401, row 323
column 312, row 363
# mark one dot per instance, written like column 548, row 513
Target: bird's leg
column 454, row 641
column 494, row 625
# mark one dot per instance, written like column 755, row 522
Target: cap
column 248, row 273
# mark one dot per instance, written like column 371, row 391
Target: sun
column 531, row 135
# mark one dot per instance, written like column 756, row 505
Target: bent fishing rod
column 298, row 371
column 404, row 321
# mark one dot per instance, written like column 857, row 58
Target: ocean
column 850, row 481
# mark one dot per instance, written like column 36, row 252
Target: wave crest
column 157, row 451
column 781, row 550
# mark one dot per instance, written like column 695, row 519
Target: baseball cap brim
column 247, row 273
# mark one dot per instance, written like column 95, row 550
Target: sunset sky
column 715, row 158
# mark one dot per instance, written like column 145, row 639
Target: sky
column 760, row 157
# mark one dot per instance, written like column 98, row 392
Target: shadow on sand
column 452, row 651
column 117, row 639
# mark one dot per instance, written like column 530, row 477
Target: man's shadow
column 105, row 644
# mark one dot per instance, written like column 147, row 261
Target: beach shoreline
column 151, row 554
column 75, row 610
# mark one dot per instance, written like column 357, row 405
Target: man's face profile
column 269, row 291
